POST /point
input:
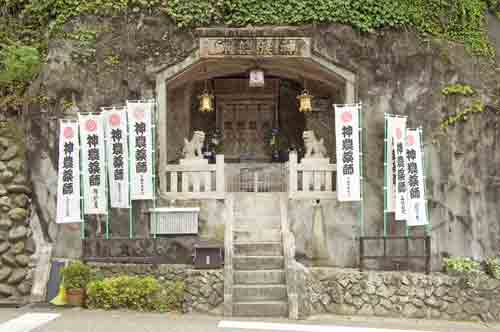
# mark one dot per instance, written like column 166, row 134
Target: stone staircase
column 259, row 283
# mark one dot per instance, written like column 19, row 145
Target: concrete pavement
column 80, row 320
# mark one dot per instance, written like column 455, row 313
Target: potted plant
column 75, row 277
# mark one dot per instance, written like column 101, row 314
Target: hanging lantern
column 256, row 78
column 206, row 101
column 305, row 101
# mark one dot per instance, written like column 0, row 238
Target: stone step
column 258, row 263
column 246, row 293
column 261, row 309
column 248, row 234
column 258, row 249
column 263, row 277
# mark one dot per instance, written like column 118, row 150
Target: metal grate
column 259, row 179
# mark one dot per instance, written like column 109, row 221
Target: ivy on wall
column 27, row 24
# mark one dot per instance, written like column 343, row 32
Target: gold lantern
column 305, row 101
column 206, row 100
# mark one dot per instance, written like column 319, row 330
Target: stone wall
column 16, row 242
column 398, row 294
column 204, row 289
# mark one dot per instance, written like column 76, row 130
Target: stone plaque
column 298, row 47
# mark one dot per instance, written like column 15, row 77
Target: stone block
column 10, row 153
column 17, row 276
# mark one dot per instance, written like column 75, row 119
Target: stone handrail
column 195, row 181
column 310, row 180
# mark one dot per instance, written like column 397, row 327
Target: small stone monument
column 192, row 150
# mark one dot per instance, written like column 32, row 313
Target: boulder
column 18, row 233
column 10, row 153
column 15, row 165
column 18, row 189
column 5, row 223
column 18, row 247
column 18, row 214
column 6, row 176
column 9, row 260
column 5, row 273
column 17, row 276
column 3, row 190
column 21, row 200
column 5, row 201
column 25, row 287
column 4, row 246
column 6, row 290
column 20, row 179
column 23, row 260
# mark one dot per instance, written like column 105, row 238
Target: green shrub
column 136, row 293
column 76, row 275
column 171, row 296
column 493, row 267
column 456, row 265
column 19, row 63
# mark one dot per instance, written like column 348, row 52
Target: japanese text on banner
column 117, row 156
column 141, row 149
column 68, row 182
column 417, row 211
column 347, row 143
column 398, row 132
column 93, row 163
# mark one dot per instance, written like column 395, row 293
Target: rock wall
column 399, row 294
column 16, row 237
column 204, row 289
column 397, row 72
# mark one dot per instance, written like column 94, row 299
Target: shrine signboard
column 288, row 47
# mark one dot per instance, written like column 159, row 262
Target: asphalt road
column 79, row 320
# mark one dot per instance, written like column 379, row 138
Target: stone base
column 315, row 161
column 193, row 161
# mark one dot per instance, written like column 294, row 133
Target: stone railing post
column 219, row 174
column 292, row 174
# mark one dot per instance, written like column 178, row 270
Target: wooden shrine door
column 246, row 120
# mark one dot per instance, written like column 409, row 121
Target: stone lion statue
column 192, row 149
column 315, row 148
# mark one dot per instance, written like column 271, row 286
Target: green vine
column 26, row 25
column 477, row 106
column 458, row 89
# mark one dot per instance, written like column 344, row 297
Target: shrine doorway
column 246, row 116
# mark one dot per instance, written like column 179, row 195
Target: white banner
column 417, row 211
column 141, row 149
column 398, row 132
column 347, row 141
column 117, row 156
column 93, row 163
column 390, row 167
column 68, row 182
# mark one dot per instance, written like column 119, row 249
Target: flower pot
column 75, row 297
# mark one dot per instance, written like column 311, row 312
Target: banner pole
column 153, row 168
column 386, row 150
column 428, row 227
column 82, row 205
column 361, row 178
column 130, row 202
column 407, row 228
column 106, row 174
